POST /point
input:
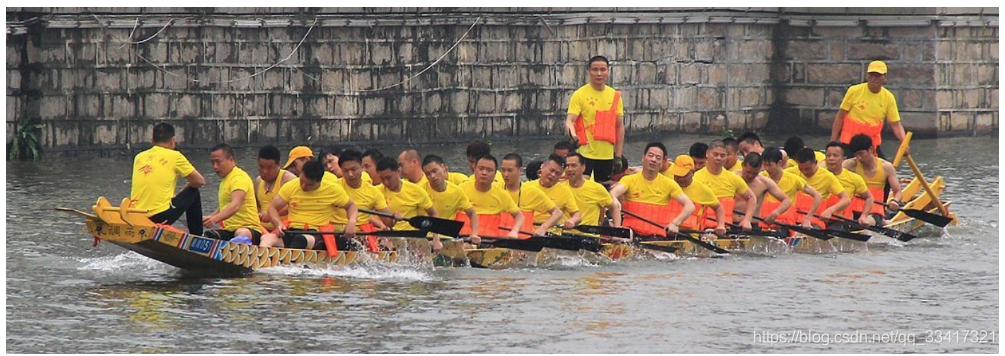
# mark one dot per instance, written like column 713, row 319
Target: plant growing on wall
column 25, row 144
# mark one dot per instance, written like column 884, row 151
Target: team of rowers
column 349, row 191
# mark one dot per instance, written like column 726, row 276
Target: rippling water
column 65, row 296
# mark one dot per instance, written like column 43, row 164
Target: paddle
column 899, row 235
column 385, row 233
column 564, row 242
column 698, row 242
column 937, row 220
column 820, row 234
column 607, row 230
column 633, row 243
column 738, row 231
column 427, row 223
column 514, row 244
column 843, row 234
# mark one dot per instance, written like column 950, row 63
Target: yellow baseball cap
column 682, row 165
column 877, row 67
column 298, row 152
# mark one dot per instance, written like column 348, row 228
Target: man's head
column 599, row 70
column 875, row 76
column 476, row 149
column 222, row 158
column 793, row 145
column 749, row 142
column 533, row 170
column 807, row 161
column 298, row 156
column 563, row 148
column 511, row 167
column 370, row 159
column 716, row 154
column 435, row 170
column 653, row 156
column 551, row 170
column 834, row 155
column 860, row 145
column 330, row 158
column 164, row 135
column 311, row 173
column 683, row 170
column 485, row 169
column 387, row 170
column 411, row 164
column 268, row 163
column 697, row 151
column 574, row 166
column 772, row 160
column 751, row 167
column 732, row 149
column 351, row 164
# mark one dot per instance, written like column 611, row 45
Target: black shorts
column 227, row 235
column 601, row 169
column 342, row 243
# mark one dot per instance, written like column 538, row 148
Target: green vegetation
column 25, row 145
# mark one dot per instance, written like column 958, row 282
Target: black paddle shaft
column 694, row 240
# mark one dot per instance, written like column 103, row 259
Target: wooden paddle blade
column 606, row 230
column 570, row 243
column 515, row 244
column 820, row 234
column 937, row 220
column 440, row 226
column 850, row 235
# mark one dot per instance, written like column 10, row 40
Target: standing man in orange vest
column 595, row 120
column 864, row 108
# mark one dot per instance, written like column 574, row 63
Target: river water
column 929, row 295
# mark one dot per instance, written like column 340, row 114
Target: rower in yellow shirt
column 491, row 203
column 878, row 173
column 448, row 199
column 853, row 183
column 552, row 170
column 726, row 184
column 268, row 182
column 300, row 155
column 802, row 195
column 404, row 198
column 364, row 194
column 591, row 197
column 648, row 194
column 477, row 149
column 531, row 200
column 237, row 211
column 824, row 182
column 312, row 203
column 700, row 194
column 763, row 186
column 732, row 155
column 370, row 158
column 410, row 166
column 155, row 173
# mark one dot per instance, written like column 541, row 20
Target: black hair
column 313, row 170
column 229, row 152
column 432, row 159
column 793, row 145
column 387, row 163
column 478, row 148
column 598, row 59
column 753, row 159
column 749, row 137
column 514, row 157
column 656, row 144
column 860, row 142
column 582, row 159
column 374, row 154
column 731, row 143
column 565, row 145
column 490, row 158
column 557, row 159
column 532, row 169
column 806, row 155
column 350, row 155
column 697, row 150
column 163, row 132
column 836, row 144
column 269, row 152
column 772, row 154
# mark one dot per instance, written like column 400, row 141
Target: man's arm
column 277, row 204
column 866, row 218
column 616, row 191
column 619, row 129
column 894, row 182
column 570, row 126
column 838, row 124
column 556, row 215
column 473, row 218
column 817, row 199
column 351, row 212
column 674, row 226
column 748, row 213
column 779, row 195
column 236, row 201
column 843, row 203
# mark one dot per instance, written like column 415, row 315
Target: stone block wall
column 100, row 78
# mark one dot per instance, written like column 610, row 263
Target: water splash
column 379, row 272
column 125, row 261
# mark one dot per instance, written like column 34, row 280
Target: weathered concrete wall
column 102, row 77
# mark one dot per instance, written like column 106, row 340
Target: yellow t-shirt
column 790, row 183
column 422, row 183
column 314, row 208
column 366, row 178
column 155, row 174
column 870, row 108
column 496, row 200
column 498, row 181
column 725, row 185
column 657, row 191
column 561, row 195
column 448, row 202
column 365, row 197
column 533, row 199
column 247, row 214
column 700, row 193
column 458, row 178
column 591, row 197
column 852, row 183
column 585, row 102
column 265, row 198
column 668, row 172
column 823, row 181
column 410, row 201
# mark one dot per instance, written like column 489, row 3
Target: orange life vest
column 604, row 126
column 787, row 217
column 692, row 222
column 804, row 202
column 727, row 204
column 488, row 224
column 853, row 127
column 858, row 204
column 506, row 220
column 659, row 214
